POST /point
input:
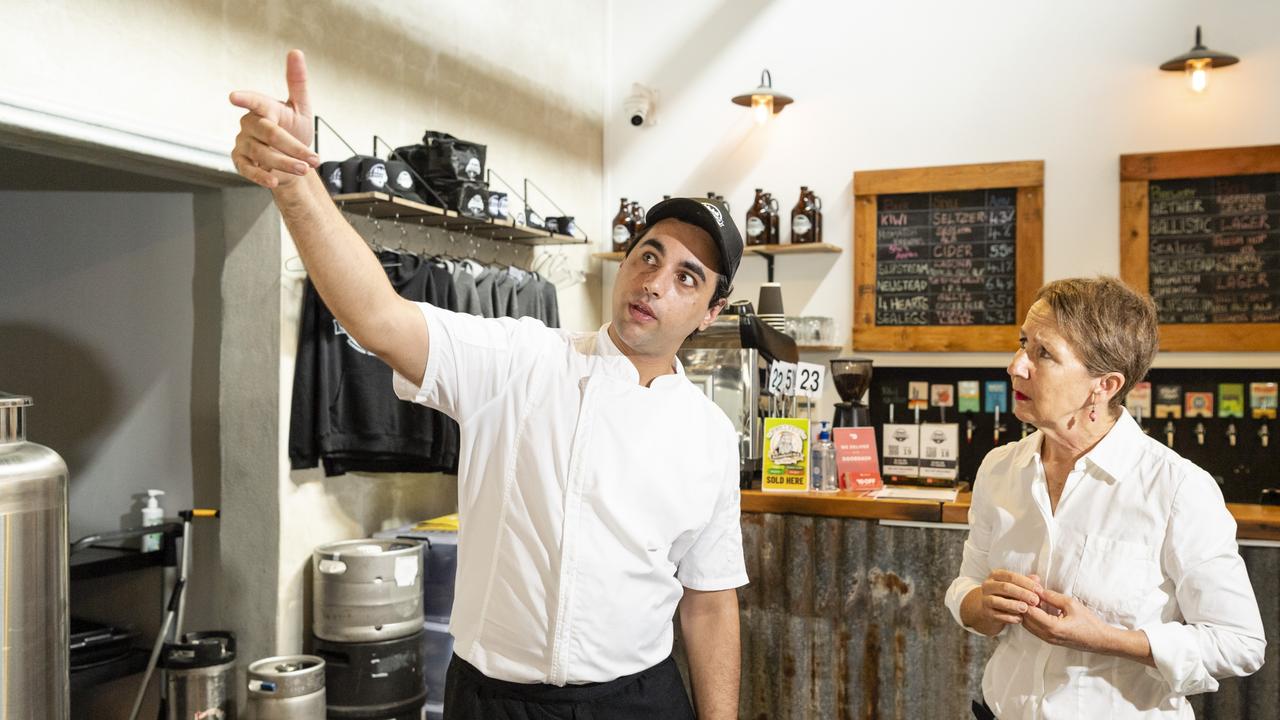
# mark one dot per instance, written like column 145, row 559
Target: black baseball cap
column 710, row 215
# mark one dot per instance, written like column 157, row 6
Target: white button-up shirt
column 1142, row 537
column 586, row 501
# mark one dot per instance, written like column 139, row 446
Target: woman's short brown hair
column 1110, row 327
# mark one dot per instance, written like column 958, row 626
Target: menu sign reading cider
column 946, row 258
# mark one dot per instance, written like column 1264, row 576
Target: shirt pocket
column 1116, row 577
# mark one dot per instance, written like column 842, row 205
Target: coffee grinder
column 852, row 377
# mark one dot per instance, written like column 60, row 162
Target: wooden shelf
column 382, row 205
column 787, row 249
column 795, row 249
column 819, row 348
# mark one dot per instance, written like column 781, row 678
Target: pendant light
column 1197, row 62
column 764, row 101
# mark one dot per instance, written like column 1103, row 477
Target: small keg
column 199, row 675
column 367, row 590
column 374, row 680
column 289, row 687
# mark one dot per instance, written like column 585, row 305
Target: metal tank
column 289, row 687
column 367, row 590
column 33, row 549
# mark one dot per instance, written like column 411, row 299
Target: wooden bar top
column 1254, row 522
column 846, row 503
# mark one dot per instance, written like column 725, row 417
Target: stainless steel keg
column 199, row 675
column 289, row 687
column 33, row 597
column 367, row 590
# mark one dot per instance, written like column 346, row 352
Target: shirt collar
column 1118, row 451
column 605, row 347
column 1115, row 454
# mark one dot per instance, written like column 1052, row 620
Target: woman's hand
column 1004, row 598
column 1077, row 627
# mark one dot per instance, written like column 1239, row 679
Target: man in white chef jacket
column 597, row 487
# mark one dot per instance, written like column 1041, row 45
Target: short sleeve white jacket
column 587, row 501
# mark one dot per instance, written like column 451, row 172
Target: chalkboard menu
column 946, row 258
column 1215, row 249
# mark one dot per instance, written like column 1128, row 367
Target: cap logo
column 715, row 213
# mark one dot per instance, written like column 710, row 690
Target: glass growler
column 623, row 227
column 637, row 219
column 806, row 218
column 758, row 220
column 771, row 208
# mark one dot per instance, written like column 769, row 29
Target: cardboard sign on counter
column 902, row 450
column 940, row 451
column 857, row 462
column 786, row 455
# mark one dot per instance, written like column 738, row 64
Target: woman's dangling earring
column 1093, row 410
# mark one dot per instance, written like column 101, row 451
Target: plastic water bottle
column 822, row 466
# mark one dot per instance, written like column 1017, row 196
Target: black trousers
column 654, row 694
column 982, row 712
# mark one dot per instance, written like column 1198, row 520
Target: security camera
column 638, row 106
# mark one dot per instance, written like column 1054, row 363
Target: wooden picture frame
column 1027, row 177
column 1136, row 173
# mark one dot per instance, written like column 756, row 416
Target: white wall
column 527, row 79
column 930, row 82
column 97, row 323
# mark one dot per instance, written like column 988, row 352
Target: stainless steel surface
column 13, row 417
column 731, row 377
column 208, row 692
column 288, row 687
column 729, row 361
column 367, row 590
column 33, row 549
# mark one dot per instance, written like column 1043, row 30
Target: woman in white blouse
column 1104, row 563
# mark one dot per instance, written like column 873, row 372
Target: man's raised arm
column 273, row 150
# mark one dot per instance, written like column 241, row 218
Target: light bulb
column 761, row 108
column 1198, row 74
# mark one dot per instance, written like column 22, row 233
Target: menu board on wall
column 1215, row 249
column 946, row 258
column 1200, row 232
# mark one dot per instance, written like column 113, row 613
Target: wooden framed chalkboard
column 1200, row 231
column 946, row 258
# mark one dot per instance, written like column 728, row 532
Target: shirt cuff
column 728, row 582
column 959, row 590
column 405, row 388
column 1177, row 659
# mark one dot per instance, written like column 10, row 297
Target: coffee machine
column 852, row 377
column 729, row 362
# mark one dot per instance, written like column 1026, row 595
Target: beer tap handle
column 1231, row 434
column 969, row 427
column 1264, row 434
column 1199, row 433
column 1168, row 433
column 1024, row 430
